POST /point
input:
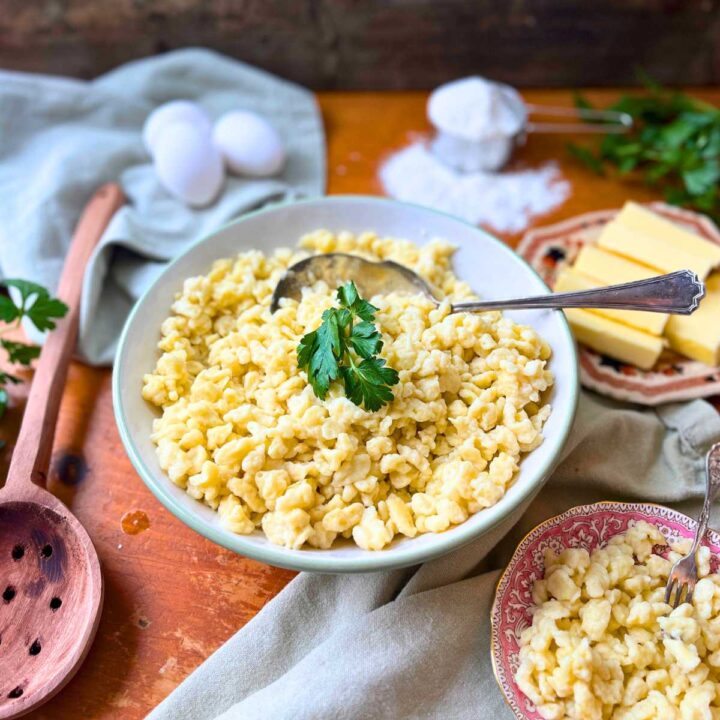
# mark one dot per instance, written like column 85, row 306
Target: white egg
column 173, row 112
column 249, row 144
column 188, row 165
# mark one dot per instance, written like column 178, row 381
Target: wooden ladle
column 51, row 587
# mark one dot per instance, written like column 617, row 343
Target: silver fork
column 684, row 575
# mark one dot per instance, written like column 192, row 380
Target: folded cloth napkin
column 60, row 139
column 415, row 643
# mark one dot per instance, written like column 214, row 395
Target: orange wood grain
column 173, row 597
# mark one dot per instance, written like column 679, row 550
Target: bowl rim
column 315, row 561
column 650, row 509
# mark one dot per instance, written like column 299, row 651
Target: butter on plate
column 615, row 339
column 636, row 217
column 661, row 254
column 698, row 335
column 639, row 244
column 571, row 280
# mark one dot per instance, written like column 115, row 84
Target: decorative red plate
column 586, row 526
column 674, row 377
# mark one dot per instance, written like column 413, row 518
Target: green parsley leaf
column 586, row 157
column 369, row 383
column 349, row 298
column 8, row 310
column 364, row 310
column 20, row 353
column 317, row 357
column 306, row 349
column 326, row 354
column 37, row 304
column 6, row 378
column 41, row 309
column 324, row 363
column 703, row 178
column 365, row 340
column 347, row 294
column 674, row 145
column 27, row 289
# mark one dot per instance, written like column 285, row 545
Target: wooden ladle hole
column 55, row 603
column 46, row 551
column 17, row 552
column 15, row 693
column 35, row 648
column 8, row 593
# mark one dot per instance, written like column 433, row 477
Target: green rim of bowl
column 313, row 560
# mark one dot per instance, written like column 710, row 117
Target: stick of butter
column 570, row 280
column 636, row 217
column 655, row 252
column 609, row 268
column 698, row 335
column 615, row 339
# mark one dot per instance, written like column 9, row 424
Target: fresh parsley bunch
column 35, row 304
column 345, row 347
column 674, row 145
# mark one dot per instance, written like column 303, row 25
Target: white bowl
column 489, row 266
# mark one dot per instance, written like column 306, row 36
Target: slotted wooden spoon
column 51, row 587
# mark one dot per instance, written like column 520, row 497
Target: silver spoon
column 678, row 292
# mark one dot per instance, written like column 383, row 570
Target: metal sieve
column 493, row 152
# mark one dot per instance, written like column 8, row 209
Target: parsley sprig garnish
column 36, row 304
column 345, row 347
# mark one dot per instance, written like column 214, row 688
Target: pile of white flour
column 505, row 201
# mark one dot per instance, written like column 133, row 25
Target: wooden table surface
column 172, row 597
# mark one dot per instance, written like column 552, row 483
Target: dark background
column 380, row 44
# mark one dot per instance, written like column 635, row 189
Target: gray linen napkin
column 414, row 643
column 60, row 139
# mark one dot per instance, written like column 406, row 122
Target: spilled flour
column 506, row 201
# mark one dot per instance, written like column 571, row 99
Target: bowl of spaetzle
column 341, row 433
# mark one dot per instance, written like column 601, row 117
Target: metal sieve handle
column 611, row 121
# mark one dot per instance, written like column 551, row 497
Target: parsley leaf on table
column 6, row 378
column 674, row 145
column 8, row 310
column 326, row 354
column 20, row 353
column 37, row 305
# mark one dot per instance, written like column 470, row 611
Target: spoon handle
column 31, row 455
column 678, row 293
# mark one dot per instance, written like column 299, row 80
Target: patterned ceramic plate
column 674, row 377
column 586, row 526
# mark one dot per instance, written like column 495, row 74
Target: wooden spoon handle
column 31, row 456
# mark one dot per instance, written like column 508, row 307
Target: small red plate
column 585, row 526
column 674, row 377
